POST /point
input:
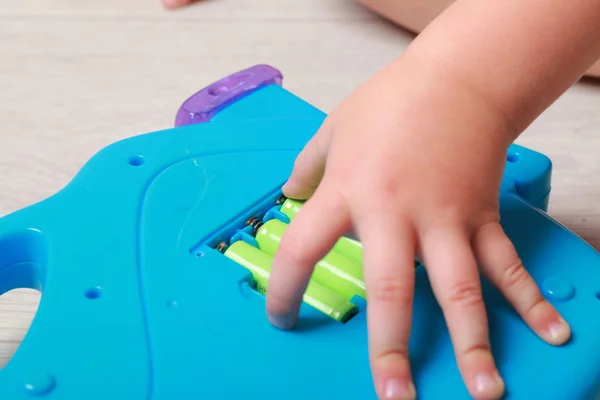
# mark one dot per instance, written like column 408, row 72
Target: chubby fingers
column 502, row 266
column 455, row 280
column 389, row 274
column 310, row 235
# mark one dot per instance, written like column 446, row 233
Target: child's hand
column 413, row 163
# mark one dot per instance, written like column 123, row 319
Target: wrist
column 434, row 88
column 497, row 51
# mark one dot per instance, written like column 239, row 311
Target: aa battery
column 349, row 247
column 336, row 271
column 316, row 295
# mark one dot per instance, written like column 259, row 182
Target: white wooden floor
column 78, row 75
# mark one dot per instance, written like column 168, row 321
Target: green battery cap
column 336, row 271
column 259, row 264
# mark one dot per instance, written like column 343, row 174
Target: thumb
column 309, row 166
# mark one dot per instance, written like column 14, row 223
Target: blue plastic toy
column 137, row 303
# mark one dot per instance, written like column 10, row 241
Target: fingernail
column 559, row 331
column 488, row 384
column 395, row 389
column 284, row 322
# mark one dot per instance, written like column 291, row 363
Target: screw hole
column 512, row 157
column 215, row 91
column 136, row 161
column 199, row 254
column 93, row 293
column 598, row 295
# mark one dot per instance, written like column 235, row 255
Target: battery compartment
column 239, row 229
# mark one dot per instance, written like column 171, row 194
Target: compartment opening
column 333, row 292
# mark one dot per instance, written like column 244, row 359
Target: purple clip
column 203, row 105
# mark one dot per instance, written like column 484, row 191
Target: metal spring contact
column 281, row 200
column 255, row 224
column 221, row 247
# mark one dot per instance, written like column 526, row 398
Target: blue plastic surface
column 136, row 304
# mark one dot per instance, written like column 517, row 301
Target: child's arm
column 390, row 163
column 517, row 55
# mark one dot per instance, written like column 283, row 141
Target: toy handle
column 24, row 256
column 69, row 247
column 23, row 252
column 203, row 105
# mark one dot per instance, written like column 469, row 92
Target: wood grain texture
column 76, row 76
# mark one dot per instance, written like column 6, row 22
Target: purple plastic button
column 203, row 105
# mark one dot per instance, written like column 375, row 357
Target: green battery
column 349, row 247
column 259, row 264
column 336, row 271
column 291, row 208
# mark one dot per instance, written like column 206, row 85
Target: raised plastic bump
column 206, row 103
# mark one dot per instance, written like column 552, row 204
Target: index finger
column 311, row 234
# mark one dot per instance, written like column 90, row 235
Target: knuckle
column 475, row 350
column 389, row 290
column 399, row 352
column 514, row 275
column 465, row 293
column 388, row 185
